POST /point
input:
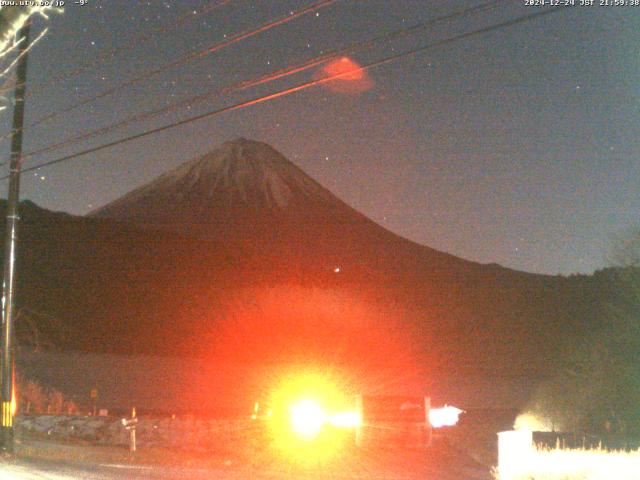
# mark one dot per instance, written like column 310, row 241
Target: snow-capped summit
column 238, row 186
column 247, row 194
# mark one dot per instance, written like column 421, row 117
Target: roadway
column 25, row 469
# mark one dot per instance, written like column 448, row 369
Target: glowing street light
column 307, row 418
column 446, row 416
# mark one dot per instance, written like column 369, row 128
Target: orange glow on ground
column 352, row 79
column 313, row 326
column 352, row 340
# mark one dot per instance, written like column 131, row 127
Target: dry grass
column 573, row 464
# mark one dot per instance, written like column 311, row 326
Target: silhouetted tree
column 597, row 386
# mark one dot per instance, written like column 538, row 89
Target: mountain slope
column 247, row 193
column 242, row 255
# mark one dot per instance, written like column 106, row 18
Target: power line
column 186, row 59
column 275, row 75
column 133, row 43
column 296, row 88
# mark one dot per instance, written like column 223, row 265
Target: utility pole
column 11, row 238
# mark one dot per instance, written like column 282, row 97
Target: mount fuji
column 242, row 253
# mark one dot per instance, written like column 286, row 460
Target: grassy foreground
column 573, row 464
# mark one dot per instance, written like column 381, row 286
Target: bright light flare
column 446, row 416
column 346, row 420
column 307, row 418
column 304, row 427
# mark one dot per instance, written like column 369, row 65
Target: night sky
column 520, row 146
